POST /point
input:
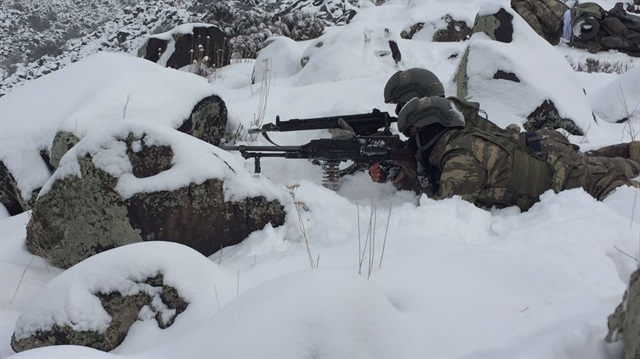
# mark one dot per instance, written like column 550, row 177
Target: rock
column 454, row 32
column 498, row 26
column 547, row 116
column 207, row 121
column 95, row 302
column 413, row 29
column 10, row 195
column 78, row 217
column 124, row 310
column 624, row 323
column 62, row 142
column 85, row 212
column 205, row 44
column 446, row 30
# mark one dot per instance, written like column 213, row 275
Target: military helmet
column 405, row 85
column 421, row 112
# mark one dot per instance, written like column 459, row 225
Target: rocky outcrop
column 83, row 213
column 624, row 323
column 124, row 310
column 204, row 44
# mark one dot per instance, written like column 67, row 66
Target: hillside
column 39, row 37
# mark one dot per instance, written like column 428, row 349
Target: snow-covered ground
column 385, row 273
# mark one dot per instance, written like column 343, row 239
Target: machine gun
column 329, row 153
column 364, row 124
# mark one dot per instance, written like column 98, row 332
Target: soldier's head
column 427, row 117
column 405, row 85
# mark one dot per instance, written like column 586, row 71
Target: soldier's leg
column 598, row 177
column 625, row 150
column 630, row 168
column 619, row 150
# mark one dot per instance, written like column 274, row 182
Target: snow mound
column 70, row 298
column 104, row 88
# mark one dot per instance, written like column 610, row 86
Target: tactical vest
column 530, row 174
column 588, row 9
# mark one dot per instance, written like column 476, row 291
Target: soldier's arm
column 561, row 166
column 462, row 175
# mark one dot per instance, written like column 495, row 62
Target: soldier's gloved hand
column 376, row 173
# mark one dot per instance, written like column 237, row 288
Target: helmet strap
column 432, row 140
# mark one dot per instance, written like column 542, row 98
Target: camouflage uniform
column 545, row 142
column 487, row 169
column 612, row 31
column 491, row 169
column 544, row 17
column 407, row 175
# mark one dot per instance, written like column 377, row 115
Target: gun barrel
column 244, row 148
column 363, row 124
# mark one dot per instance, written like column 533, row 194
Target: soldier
column 399, row 89
column 416, row 82
column 544, row 17
column 594, row 29
column 493, row 168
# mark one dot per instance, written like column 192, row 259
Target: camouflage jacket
column 487, row 169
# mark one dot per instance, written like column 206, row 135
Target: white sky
column 455, row 280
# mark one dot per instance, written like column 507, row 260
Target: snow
column 385, row 273
column 619, row 98
column 99, row 90
column 553, row 79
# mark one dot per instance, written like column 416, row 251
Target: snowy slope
column 385, row 273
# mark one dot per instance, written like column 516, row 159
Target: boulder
column 131, row 186
column 78, row 217
column 624, row 323
column 208, row 121
column 121, row 87
column 95, row 303
column 204, row 43
column 123, row 309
